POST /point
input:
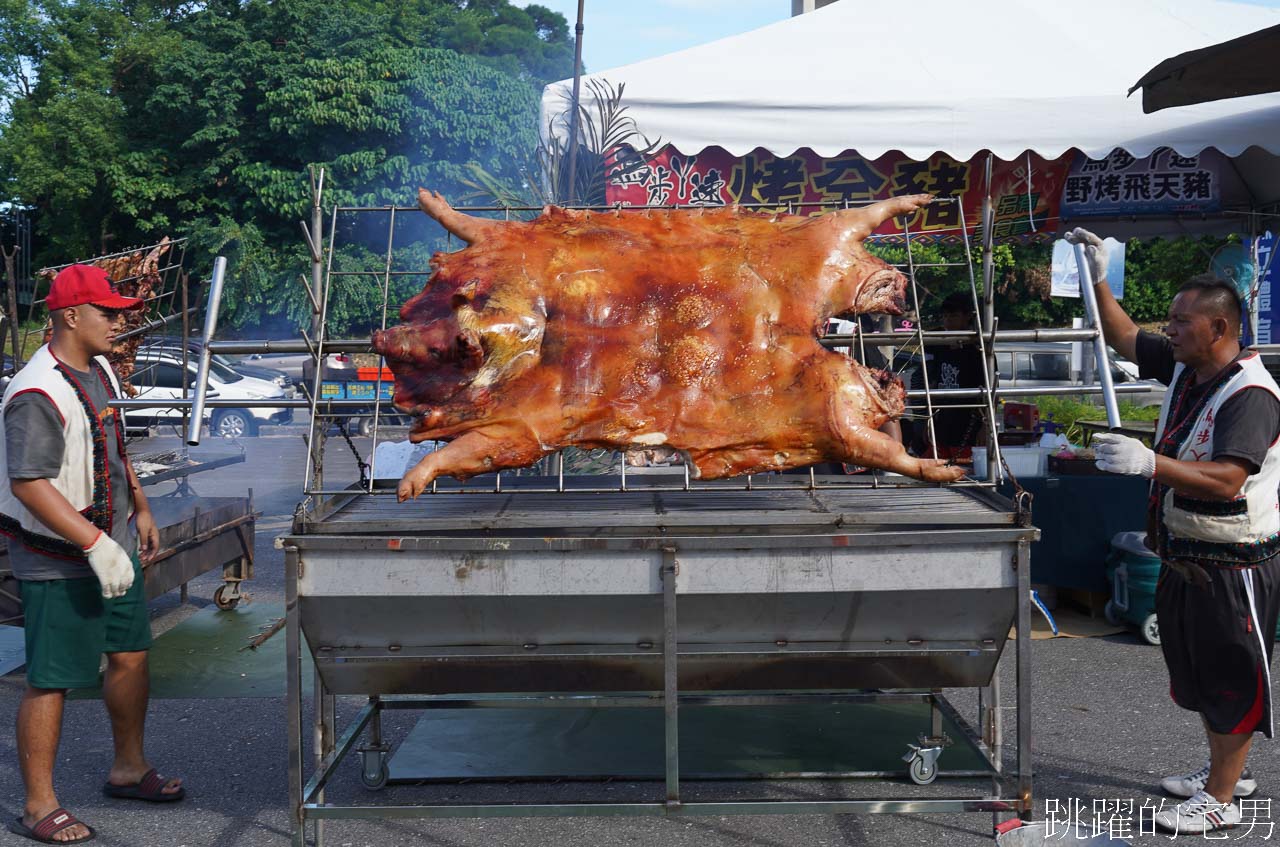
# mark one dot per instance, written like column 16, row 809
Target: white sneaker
column 1201, row 814
column 1188, row 784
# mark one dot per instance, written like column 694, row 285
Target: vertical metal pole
column 986, row 346
column 1101, row 360
column 573, row 117
column 210, row 326
column 293, row 696
column 313, row 478
column 989, row 730
column 382, row 362
column 186, row 339
column 670, row 677
column 324, row 706
column 989, row 303
column 924, row 368
column 315, row 243
column 1024, row 678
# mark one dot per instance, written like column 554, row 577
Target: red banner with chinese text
column 1025, row 193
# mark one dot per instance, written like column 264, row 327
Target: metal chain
column 361, row 463
column 1022, row 498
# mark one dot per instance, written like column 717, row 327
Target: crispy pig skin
column 693, row 329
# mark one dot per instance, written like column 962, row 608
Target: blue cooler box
column 1132, row 571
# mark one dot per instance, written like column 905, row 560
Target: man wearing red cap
column 72, row 542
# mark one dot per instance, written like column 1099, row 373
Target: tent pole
column 573, row 119
column 989, row 302
column 1255, row 233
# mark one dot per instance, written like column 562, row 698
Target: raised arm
column 1117, row 327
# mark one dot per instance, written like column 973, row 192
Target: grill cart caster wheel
column 1112, row 613
column 1150, row 630
column 366, row 427
column 226, row 597
column 378, row 781
column 921, row 773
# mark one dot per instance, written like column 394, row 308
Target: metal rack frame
column 318, row 344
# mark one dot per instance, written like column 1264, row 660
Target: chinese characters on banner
column 1267, row 301
column 809, row 184
column 1161, row 183
column 1028, row 194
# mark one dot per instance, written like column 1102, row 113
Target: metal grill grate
column 726, row 509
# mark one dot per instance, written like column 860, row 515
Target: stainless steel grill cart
column 663, row 598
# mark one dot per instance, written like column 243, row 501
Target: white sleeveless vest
column 84, row 478
column 1236, row 533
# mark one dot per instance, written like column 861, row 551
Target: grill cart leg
column 322, row 744
column 374, row 768
column 671, row 687
column 922, row 758
column 293, row 692
column 1023, row 647
column 990, row 729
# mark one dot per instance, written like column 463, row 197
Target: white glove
column 112, row 565
column 1121, row 454
column 1095, row 252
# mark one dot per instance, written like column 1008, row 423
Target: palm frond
column 609, row 143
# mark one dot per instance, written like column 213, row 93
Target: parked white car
column 158, row 376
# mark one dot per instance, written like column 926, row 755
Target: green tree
column 147, row 118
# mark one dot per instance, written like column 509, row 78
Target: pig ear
column 467, row 228
column 867, row 219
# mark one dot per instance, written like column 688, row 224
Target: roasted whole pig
column 696, row 330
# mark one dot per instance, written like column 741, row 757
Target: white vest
column 1238, row 532
column 84, row 478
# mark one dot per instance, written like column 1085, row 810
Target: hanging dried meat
column 135, row 274
column 695, row 330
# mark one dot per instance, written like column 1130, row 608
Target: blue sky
column 619, row 32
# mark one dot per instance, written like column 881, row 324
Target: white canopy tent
column 931, row 76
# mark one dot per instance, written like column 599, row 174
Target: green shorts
column 69, row 625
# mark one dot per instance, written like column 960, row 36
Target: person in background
column 66, row 511
column 1213, row 519
column 957, row 365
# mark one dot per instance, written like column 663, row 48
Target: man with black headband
column 1214, row 520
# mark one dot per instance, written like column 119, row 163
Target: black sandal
column 50, row 825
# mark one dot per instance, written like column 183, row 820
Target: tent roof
column 1235, row 68
column 929, row 76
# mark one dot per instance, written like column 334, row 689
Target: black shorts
column 1217, row 631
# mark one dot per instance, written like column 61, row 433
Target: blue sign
column 1162, row 183
column 1267, row 304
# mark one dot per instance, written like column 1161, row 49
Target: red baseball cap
column 76, row 285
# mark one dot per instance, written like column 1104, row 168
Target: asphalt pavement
column 1104, row 732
